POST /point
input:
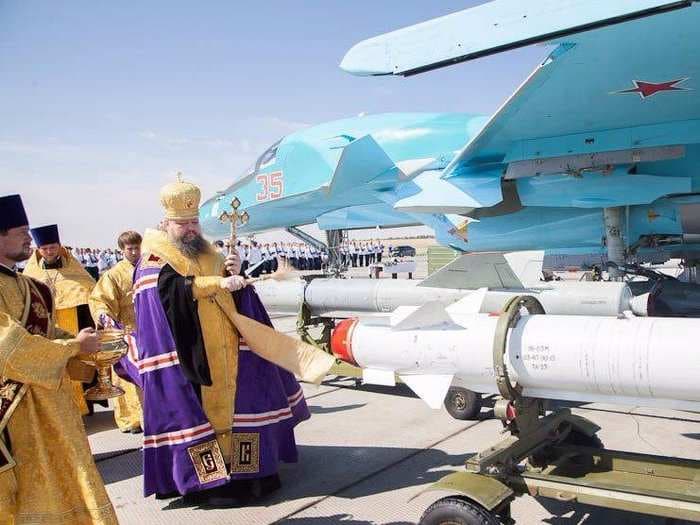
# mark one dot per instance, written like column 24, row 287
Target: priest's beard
column 22, row 255
column 191, row 245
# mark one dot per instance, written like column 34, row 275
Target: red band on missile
column 341, row 341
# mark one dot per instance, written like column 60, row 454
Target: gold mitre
column 180, row 199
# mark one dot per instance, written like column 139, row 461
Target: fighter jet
column 597, row 151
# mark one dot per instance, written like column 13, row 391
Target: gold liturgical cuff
column 206, row 286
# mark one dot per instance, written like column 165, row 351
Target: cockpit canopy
column 268, row 158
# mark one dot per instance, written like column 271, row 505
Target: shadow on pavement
column 100, row 421
column 121, row 467
column 344, row 519
column 106, row 456
column 400, row 389
column 579, row 513
column 327, row 470
column 346, row 470
column 315, row 409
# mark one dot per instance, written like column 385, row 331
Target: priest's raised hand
column 233, row 263
column 89, row 344
column 233, row 283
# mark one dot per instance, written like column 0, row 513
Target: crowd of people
column 257, row 258
column 97, row 261
column 203, row 372
column 264, row 258
column 361, row 253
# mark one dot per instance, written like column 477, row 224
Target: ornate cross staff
column 234, row 218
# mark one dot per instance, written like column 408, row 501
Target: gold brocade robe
column 113, row 296
column 71, row 286
column 55, row 480
column 221, row 323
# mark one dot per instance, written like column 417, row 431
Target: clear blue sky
column 102, row 102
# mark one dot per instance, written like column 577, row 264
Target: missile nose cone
column 341, row 341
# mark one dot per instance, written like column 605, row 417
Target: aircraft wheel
column 457, row 511
column 462, row 403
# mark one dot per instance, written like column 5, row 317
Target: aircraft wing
column 490, row 28
column 631, row 88
column 605, row 100
column 365, row 216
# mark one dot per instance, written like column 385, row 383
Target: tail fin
column 362, row 161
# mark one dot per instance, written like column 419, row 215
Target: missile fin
column 471, row 304
column 430, row 388
column 527, row 266
column 371, row 376
column 410, row 318
column 475, row 270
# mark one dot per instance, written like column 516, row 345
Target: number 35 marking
column 271, row 186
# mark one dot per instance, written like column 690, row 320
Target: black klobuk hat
column 12, row 214
column 46, row 235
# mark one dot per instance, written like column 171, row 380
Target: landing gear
column 458, row 511
column 463, row 404
column 335, row 240
column 614, row 240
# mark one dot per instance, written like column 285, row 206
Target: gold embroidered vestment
column 71, row 286
column 55, row 479
column 113, row 296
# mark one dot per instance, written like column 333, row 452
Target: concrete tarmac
column 367, row 452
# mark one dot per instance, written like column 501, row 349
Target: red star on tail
column 648, row 89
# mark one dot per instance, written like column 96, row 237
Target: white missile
column 341, row 298
column 624, row 360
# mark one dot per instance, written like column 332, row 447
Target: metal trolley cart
column 557, row 455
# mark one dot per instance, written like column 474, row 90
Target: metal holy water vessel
column 113, row 347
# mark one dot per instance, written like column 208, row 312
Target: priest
column 47, row 473
column 218, row 417
column 70, row 284
column 112, row 304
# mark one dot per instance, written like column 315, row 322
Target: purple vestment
column 269, row 401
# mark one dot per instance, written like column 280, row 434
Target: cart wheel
column 462, row 403
column 457, row 511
